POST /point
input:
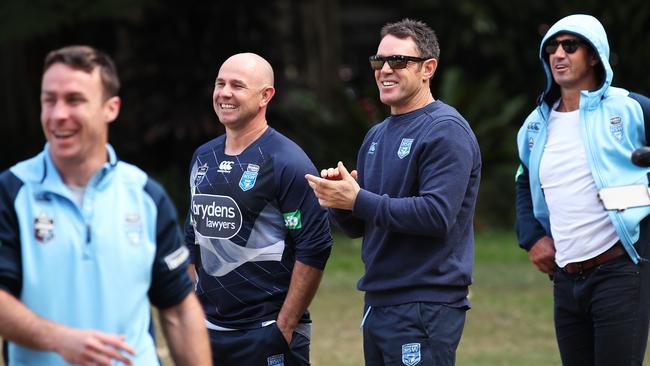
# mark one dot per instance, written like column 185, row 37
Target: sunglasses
column 394, row 61
column 568, row 45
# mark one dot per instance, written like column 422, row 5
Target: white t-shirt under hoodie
column 580, row 225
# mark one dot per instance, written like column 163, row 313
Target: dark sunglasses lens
column 551, row 47
column 376, row 64
column 397, row 64
column 570, row 46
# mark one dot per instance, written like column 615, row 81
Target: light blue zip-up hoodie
column 612, row 122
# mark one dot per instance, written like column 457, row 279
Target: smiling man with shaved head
column 258, row 237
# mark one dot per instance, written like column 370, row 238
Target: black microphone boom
column 641, row 157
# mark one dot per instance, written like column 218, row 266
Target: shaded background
column 168, row 54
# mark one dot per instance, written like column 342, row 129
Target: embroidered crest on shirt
column 372, row 148
column 275, row 360
column 43, row 228
column 200, row 174
column 249, row 177
column 404, row 148
column 133, row 228
column 411, row 354
column 616, row 128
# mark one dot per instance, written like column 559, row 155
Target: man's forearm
column 304, row 284
column 20, row 325
column 187, row 337
column 77, row 346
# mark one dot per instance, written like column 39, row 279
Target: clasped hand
column 336, row 188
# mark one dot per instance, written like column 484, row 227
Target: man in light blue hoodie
column 577, row 141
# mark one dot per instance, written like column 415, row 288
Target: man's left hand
column 286, row 331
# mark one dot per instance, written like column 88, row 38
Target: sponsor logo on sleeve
column 249, row 177
column 216, row 217
column 292, row 220
column 411, row 354
column 404, row 148
column 616, row 128
column 43, row 228
column 176, row 258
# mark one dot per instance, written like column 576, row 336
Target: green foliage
column 22, row 20
column 168, row 54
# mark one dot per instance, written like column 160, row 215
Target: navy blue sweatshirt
column 419, row 174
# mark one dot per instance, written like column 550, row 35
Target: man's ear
column 267, row 94
column 112, row 108
column 429, row 68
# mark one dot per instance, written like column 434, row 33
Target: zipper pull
column 88, row 236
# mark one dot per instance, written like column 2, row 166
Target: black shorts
column 264, row 346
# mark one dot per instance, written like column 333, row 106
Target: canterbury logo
column 225, row 166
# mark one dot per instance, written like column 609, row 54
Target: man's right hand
column 91, row 347
column 542, row 254
column 335, row 174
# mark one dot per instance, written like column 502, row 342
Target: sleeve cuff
column 316, row 260
column 366, row 204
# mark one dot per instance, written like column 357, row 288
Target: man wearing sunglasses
column 413, row 201
column 578, row 140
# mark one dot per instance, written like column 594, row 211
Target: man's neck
column 238, row 140
column 419, row 101
column 78, row 174
column 570, row 93
column 569, row 101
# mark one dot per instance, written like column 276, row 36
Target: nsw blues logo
column 616, row 128
column 275, row 360
column 372, row 148
column 43, row 228
column 404, row 148
column 411, row 354
column 249, row 177
column 133, row 228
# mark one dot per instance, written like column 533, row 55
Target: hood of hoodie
column 589, row 29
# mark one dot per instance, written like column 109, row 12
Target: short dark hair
column 424, row 37
column 87, row 58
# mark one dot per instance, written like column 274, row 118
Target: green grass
column 510, row 323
